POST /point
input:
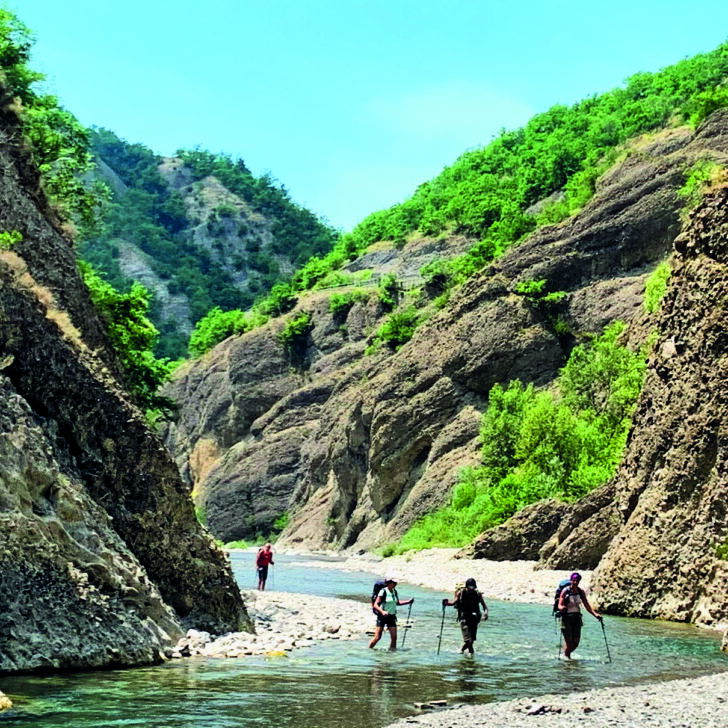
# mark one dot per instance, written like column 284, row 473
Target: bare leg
column 377, row 636
column 392, row 638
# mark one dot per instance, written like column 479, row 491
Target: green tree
column 132, row 335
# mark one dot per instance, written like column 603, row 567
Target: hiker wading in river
column 263, row 559
column 468, row 601
column 385, row 607
column 570, row 601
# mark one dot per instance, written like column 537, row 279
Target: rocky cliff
column 669, row 557
column 358, row 447
column 101, row 559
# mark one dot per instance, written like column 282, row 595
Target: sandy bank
column 694, row 703
column 517, row 581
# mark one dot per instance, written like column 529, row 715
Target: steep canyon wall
column 101, row 558
column 358, row 447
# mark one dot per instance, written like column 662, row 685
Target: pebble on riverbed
column 5, row 702
column 283, row 622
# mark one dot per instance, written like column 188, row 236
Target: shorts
column 571, row 626
column 388, row 620
column 263, row 572
column 469, row 628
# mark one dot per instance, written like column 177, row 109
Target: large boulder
column 521, row 536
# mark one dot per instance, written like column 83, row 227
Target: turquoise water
column 344, row 684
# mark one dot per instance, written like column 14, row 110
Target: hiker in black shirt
column 468, row 601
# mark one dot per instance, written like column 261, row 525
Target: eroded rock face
column 101, row 558
column 672, row 487
column 381, row 442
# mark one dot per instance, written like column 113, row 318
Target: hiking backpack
column 557, row 595
column 468, row 602
column 378, row 586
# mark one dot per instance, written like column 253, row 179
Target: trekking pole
column 442, row 624
column 406, row 629
column 606, row 644
column 556, row 628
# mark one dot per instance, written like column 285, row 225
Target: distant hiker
column 468, row 601
column 263, row 559
column 570, row 601
column 385, row 607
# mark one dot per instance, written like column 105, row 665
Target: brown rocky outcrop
column 369, row 444
column 522, row 536
column 101, row 558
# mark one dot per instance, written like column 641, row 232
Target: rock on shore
column 694, row 703
column 283, row 622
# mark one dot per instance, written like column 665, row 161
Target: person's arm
column 562, row 603
column 451, row 602
column 485, row 607
column 405, row 602
column 588, row 606
column 378, row 606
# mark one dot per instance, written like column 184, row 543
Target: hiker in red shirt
column 262, row 560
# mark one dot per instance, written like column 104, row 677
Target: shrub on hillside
column 132, row 335
column 558, row 443
column 656, row 287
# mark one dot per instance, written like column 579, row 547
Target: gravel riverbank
column 517, row 581
column 283, row 622
column 693, row 703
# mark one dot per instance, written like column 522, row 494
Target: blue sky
column 352, row 104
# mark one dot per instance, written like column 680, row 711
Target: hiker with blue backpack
column 571, row 599
column 384, row 604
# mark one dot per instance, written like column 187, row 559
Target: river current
column 343, row 684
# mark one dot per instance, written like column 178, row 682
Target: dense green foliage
column 555, row 160
column 296, row 330
column 132, row 335
column 721, row 550
column 153, row 216
column 240, row 544
column 217, row 325
column 558, row 443
column 656, row 287
column 340, row 303
column 59, row 144
column 698, row 180
column 488, row 193
column 8, row 238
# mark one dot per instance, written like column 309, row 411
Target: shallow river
column 343, row 684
